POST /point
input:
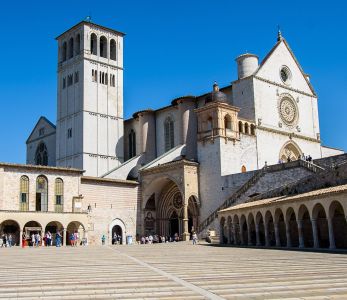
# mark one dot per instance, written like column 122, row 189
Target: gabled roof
column 282, row 40
column 37, row 123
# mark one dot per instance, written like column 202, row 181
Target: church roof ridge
column 41, row 118
column 49, row 168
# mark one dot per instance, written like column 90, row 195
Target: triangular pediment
column 43, row 123
column 279, row 56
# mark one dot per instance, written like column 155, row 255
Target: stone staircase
column 311, row 167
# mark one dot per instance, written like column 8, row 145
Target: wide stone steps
column 170, row 271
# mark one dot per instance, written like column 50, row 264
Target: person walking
column 10, row 240
column 195, row 238
column 103, row 239
column 72, row 239
column 58, row 239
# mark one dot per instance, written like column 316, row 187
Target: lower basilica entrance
column 164, row 213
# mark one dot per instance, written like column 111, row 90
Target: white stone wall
column 93, row 110
column 327, row 151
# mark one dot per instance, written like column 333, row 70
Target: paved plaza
column 170, row 271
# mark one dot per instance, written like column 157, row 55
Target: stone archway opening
column 281, row 225
column 11, row 229
column 237, row 234
column 54, row 227
column 222, row 232
column 339, row 224
column 270, row 228
column 32, row 228
column 306, row 226
column 253, row 235
column 261, row 229
column 320, row 216
column 117, row 235
column 244, row 230
column 117, row 232
column 73, row 228
column 292, row 229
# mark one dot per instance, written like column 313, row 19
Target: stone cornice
column 169, row 166
column 289, row 134
column 217, row 105
column 285, row 87
column 108, row 180
column 40, row 168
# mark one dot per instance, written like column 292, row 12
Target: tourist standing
column 103, row 239
column 72, row 239
column 10, row 240
column 58, row 239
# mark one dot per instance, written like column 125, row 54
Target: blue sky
column 172, row 48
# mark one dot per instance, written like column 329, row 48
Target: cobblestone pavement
column 170, row 271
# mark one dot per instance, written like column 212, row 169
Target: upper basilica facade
column 189, row 156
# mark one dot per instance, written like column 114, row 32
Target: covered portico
column 314, row 219
column 170, row 199
column 17, row 222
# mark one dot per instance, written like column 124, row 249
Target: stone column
column 21, row 238
column 301, row 234
column 289, row 241
column 64, row 237
column 249, row 236
column 315, row 233
column 257, row 235
column 241, row 236
column 277, row 235
column 234, row 233
column 331, row 234
column 267, row 242
column 186, row 236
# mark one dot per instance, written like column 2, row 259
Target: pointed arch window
column 209, row 124
column 59, row 195
column 132, row 143
column 113, row 50
column 78, row 44
column 169, row 133
column 24, row 193
column 41, row 155
column 93, row 44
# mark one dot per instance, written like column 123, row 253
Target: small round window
column 285, row 74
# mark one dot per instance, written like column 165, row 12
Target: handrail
column 232, row 199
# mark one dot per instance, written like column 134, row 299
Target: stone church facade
column 168, row 170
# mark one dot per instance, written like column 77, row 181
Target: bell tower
column 90, row 98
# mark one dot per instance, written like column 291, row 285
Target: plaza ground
column 170, row 271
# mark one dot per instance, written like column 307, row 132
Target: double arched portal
column 316, row 224
column 17, row 231
column 166, row 213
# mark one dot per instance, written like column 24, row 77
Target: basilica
column 230, row 164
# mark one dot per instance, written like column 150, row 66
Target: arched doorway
column 270, row 228
column 54, row 227
column 290, row 152
column 75, row 227
column 174, row 226
column 117, row 226
column 117, row 234
column 193, row 214
column 12, row 230
column 339, row 223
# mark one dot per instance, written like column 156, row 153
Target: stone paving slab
column 170, row 271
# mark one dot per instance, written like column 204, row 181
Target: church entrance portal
column 174, row 225
column 117, row 235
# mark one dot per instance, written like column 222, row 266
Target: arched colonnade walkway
column 18, row 223
column 312, row 220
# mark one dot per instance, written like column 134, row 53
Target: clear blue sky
column 172, row 48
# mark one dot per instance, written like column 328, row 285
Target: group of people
column 36, row 240
column 117, row 239
column 6, row 240
column 307, row 158
column 155, row 238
